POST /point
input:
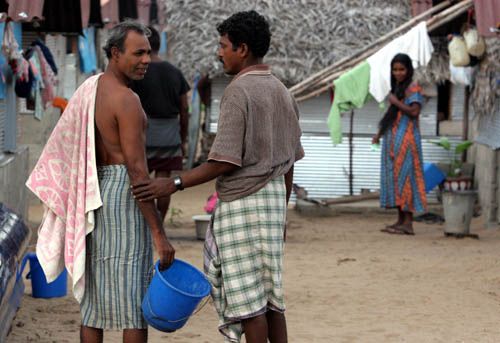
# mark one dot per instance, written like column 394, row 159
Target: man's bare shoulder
column 126, row 102
column 125, row 96
column 119, row 94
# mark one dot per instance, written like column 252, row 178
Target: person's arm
column 204, row 88
column 413, row 110
column 184, row 120
column 131, row 124
column 148, row 190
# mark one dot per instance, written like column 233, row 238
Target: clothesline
column 371, row 77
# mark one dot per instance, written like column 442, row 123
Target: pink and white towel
column 65, row 180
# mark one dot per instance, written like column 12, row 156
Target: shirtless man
column 119, row 254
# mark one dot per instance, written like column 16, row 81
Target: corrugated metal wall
column 314, row 115
column 489, row 129
column 218, row 86
column 324, row 172
column 458, row 103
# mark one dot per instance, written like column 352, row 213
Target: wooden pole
column 465, row 120
column 299, row 87
column 351, row 198
column 351, row 151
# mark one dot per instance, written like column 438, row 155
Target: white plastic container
column 457, row 49
column 201, row 221
column 474, row 43
column 458, row 207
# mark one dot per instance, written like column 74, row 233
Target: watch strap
column 178, row 183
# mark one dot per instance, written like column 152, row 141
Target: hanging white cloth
column 415, row 43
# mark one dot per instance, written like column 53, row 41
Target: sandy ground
column 344, row 282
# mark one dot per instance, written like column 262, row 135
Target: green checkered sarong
column 244, row 257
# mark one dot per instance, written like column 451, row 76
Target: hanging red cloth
column 25, row 10
column 487, row 17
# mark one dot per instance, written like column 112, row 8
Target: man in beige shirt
column 256, row 146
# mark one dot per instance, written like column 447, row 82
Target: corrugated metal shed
column 489, row 128
column 458, row 103
column 324, row 172
column 218, row 86
column 314, row 115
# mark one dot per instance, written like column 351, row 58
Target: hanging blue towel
column 17, row 28
column 163, row 43
column 86, row 48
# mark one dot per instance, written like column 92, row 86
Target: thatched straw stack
column 438, row 68
column 435, row 17
column 308, row 35
column 486, row 89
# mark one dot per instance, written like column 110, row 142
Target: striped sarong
column 118, row 258
column 243, row 257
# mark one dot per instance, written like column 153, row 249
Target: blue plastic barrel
column 40, row 287
column 173, row 295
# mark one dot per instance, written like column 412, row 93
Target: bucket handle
column 25, row 259
column 199, row 308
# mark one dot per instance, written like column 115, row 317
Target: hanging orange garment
column 60, row 103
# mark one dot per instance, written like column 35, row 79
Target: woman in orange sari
column 402, row 179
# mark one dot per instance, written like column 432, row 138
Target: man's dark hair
column 154, row 39
column 247, row 27
column 118, row 34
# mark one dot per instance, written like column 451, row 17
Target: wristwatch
column 178, row 183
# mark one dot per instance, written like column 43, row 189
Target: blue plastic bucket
column 40, row 287
column 173, row 295
column 433, row 176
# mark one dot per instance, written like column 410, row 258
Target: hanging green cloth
column 351, row 91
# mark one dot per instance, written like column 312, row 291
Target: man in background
column 163, row 94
